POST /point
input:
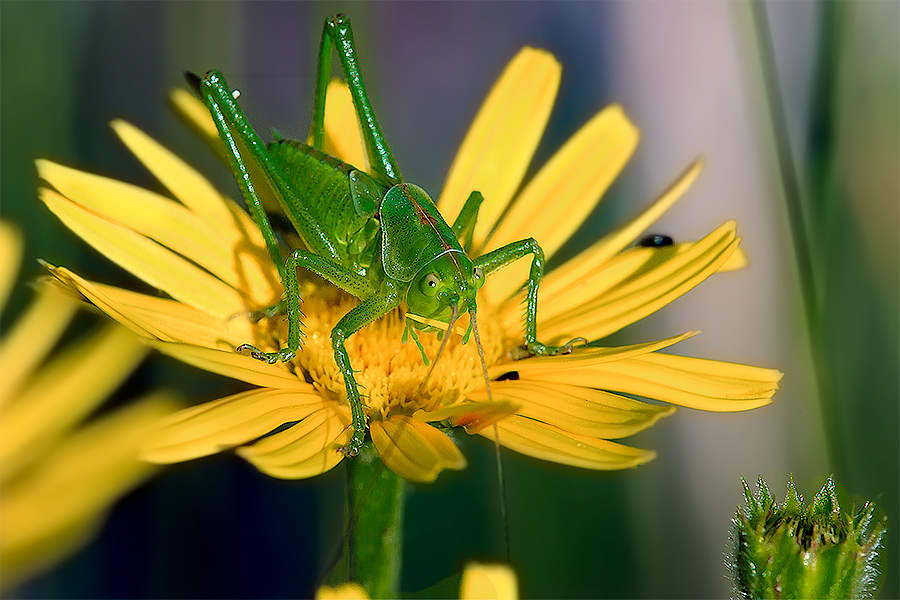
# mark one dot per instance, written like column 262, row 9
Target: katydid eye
column 430, row 284
column 478, row 274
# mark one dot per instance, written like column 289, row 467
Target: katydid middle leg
column 337, row 274
column 511, row 252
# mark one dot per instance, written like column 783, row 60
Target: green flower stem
column 375, row 499
column 802, row 216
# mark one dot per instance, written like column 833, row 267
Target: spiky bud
column 797, row 551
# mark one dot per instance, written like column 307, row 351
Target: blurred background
column 689, row 75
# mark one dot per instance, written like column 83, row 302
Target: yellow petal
column 737, row 260
column 562, row 281
column 135, row 208
column 192, row 110
column 234, row 365
column 657, row 284
column 186, row 184
column 580, row 410
column 231, row 421
column 583, row 357
column 64, row 392
column 474, row 416
column 415, row 451
column 237, row 253
column 483, row 582
column 590, row 288
column 343, row 135
column 556, row 300
column 10, row 259
column 565, row 191
column 159, row 318
column 684, row 381
column 546, row 442
column 501, row 141
column 33, row 335
column 309, row 448
column 89, row 471
column 224, row 244
column 149, row 260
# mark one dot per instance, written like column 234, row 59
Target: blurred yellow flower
column 479, row 582
column 344, row 591
column 488, row 581
column 207, row 255
column 58, row 476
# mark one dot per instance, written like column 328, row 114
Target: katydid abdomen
column 321, row 185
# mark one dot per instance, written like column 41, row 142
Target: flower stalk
column 375, row 502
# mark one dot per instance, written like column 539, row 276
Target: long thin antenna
column 454, row 314
column 500, row 480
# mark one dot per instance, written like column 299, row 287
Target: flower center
column 390, row 373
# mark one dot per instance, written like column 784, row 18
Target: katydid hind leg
column 514, row 251
column 233, row 128
column 210, row 90
column 228, row 118
column 338, row 34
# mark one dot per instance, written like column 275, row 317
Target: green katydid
column 371, row 234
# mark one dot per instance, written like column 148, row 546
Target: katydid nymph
column 371, row 234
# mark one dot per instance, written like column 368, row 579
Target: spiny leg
column 364, row 313
column 213, row 91
column 340, row 276
column 511, row 252
column 373, row 306
column 338, row 34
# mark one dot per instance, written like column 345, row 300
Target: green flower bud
column 797, row 551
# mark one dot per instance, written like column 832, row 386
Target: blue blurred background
column 688, row 74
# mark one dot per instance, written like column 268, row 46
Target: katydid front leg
column 365, row 312
column 511, row 252
column 376, row 303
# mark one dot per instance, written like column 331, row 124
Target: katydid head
column 441, row 290
column 449, row 280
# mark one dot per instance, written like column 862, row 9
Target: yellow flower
column 57, row 476
column 479, row 582
column 206, row 254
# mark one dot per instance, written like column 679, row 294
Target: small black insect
column 511, row 375
column 655, row 240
